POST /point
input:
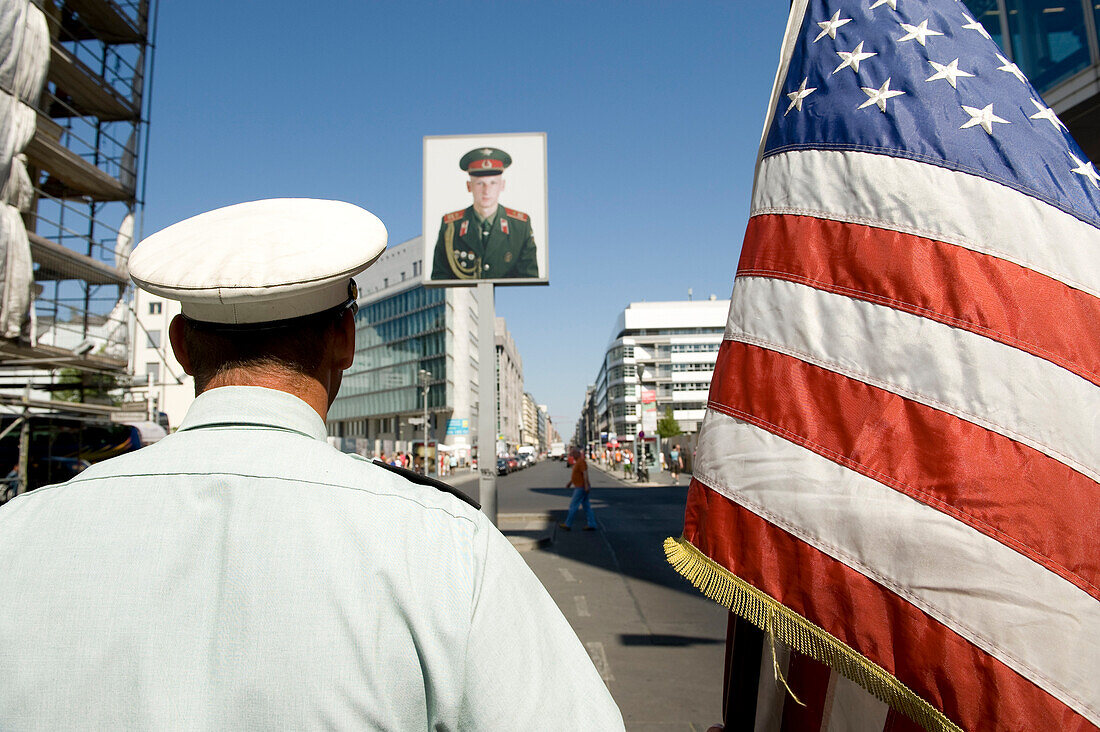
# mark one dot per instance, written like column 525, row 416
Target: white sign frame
column 526, row 190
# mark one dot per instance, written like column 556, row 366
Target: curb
column 528, row 531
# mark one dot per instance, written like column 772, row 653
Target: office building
column 529, row 426
column 509, row 390
column 542, row 425
column 660, row 354
column 156, row 372
column 403, row 329
column 1055, row 43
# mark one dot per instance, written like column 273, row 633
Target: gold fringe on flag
column 730, row 591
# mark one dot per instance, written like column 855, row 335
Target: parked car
column 502, row 467
column 513, row 463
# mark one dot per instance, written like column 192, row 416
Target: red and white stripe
column 903, row 435
column 903, row 438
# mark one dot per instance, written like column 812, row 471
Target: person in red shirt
column 578, row 481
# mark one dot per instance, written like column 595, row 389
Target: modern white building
column 667, row 348
column 155, row 368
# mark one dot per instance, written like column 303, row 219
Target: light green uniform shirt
column 243, row 574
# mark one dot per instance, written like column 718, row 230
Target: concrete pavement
column 658, row 644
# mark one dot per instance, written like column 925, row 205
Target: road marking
column 567, row 574
column 599, row 660
column 582, row 606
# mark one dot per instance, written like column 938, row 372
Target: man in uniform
column 485, row 240
column 243, row 574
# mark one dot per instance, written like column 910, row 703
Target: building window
column 385, row 282
column 153, row 338
column 1049, row 42
column 154, row 308
column 694, row 347
column 153, row 370
column 691, row 386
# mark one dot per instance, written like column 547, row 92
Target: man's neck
column 308, row 389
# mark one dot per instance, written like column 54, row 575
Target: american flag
column 898, row 470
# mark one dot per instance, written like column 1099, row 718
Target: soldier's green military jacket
column 461, row 253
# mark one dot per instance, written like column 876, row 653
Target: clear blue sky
column 652, row 110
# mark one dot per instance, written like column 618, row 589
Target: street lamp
column 425, row 379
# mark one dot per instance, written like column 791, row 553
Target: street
column 657, row 642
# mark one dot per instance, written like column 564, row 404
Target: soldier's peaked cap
column 262, row 261
column 485, row 161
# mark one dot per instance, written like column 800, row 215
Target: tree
column 83, row 386
column 667, row 426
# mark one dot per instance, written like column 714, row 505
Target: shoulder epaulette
column 453, row 216
column 415, row 477
column 512, row 213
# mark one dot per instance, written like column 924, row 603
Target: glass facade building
column 402, row 331
column 1050, row 40
column 1057, row 46
column 396, row 337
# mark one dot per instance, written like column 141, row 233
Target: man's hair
column 296, row 346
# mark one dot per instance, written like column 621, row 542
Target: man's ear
column 344, row 343
column 179, row 343
column 469, row 188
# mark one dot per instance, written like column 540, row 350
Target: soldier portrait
column 488, row 239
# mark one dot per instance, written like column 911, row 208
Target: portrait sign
column 485, row 209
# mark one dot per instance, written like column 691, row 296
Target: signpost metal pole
column 425, row 378
column 25, row 444
column 487, row 400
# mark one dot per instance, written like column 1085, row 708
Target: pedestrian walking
column 675, row 464
column 578, row 481
column 242, row 573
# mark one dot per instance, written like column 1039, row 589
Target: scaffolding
column 82, row 191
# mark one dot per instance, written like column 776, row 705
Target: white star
column 852, row 59
column 879, row 96
column 1011, row 68
column 798, row 95
column 1085, row 168
column 918, row 32
column 983, row 117
column 976, row 26
column 1048, row 114
column 951, row 72
column 892, row 3
column 828, row 27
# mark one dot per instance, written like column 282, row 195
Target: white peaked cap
column 261, row 261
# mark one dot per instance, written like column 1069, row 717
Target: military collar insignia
column 504, row 226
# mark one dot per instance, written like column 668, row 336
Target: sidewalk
column 657, row 477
